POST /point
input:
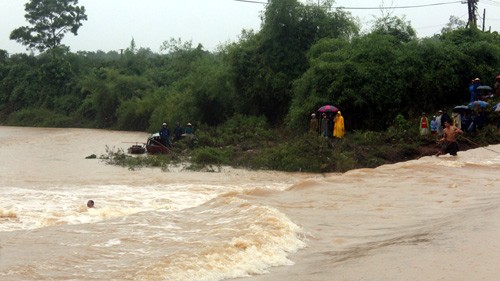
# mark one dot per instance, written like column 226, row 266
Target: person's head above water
column 90, row 203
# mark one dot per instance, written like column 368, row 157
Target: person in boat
column 177, row 131
column 189, row 131
column 165, row 135
column 90, row 204
column 449, row 139
column 189, row 135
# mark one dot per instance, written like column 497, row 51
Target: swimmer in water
column 90, row 204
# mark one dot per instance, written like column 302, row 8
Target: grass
column 255, row 146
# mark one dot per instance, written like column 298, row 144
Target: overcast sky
column 112, row 24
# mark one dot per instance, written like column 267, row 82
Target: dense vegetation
column 251, row 100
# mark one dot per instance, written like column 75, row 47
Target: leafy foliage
column 250, row 100
column 396, row 27
column 376, row 76
column 50, row 20
column 265, row 64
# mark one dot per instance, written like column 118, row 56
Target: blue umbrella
column 478, row 103
column 496, row 107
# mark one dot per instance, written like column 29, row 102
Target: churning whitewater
column 427, row 219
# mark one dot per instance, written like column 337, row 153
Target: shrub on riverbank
column 256, row 146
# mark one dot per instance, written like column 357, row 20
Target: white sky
column 112, row 24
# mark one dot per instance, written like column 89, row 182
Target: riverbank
column 281, row 150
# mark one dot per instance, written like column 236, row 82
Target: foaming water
column 222, row 238
column 33, row 208
column 150, row 224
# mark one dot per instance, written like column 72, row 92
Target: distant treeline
column 303, row 57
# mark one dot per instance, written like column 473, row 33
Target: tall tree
column 395, row 26
column 265, row 64
column 50, row 20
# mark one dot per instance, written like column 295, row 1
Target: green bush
column 39, row 117
column 342, row 162
column 119, row 157
column 211, row 156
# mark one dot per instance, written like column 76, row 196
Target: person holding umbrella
column 331, row 126
column 457, row 119
column 324, row 125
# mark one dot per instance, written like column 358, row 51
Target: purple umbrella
column 328, row 108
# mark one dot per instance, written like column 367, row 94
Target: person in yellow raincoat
column 339, row 129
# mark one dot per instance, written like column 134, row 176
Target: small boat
column 136, row 149
column 155, row 146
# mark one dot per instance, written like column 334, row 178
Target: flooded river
column 427, row 219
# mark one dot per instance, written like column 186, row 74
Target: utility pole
column 484, row 18
column 472, row 8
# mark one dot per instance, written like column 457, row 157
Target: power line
column 440, row 25
column 399, row 7
column 472, row 7
column 248, row 1
column 372, row 8
column 491, row 3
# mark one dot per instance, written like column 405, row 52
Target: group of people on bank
column 467, row 119
column 444, row 128
column 331, row 125
column 179, row 132
column 463, row 119
column 477, row 92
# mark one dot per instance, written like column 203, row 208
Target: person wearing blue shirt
column 165, row 135
column 177, row 132
column 434, row 125
column 473, row 89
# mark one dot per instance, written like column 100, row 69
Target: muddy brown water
column 426, row 219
